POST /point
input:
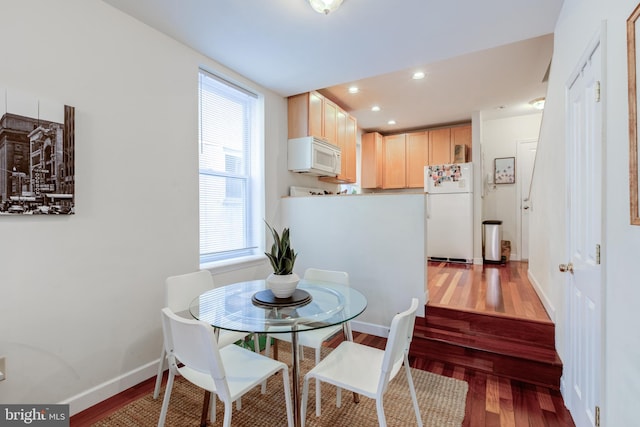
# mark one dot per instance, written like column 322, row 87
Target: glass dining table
column 250, row 307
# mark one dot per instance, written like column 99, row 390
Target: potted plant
column 283, row 281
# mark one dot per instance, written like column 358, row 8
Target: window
column 230, row 180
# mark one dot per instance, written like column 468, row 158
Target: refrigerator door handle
column 428, row 206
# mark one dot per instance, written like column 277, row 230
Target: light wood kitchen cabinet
column 371, row 160
column 398, row 161
column 440, row 149
column 394, row 161
column 306, row 115
column 417, row 158
column 346, row 140
column 349, row 156
column 461, row 135
column 330, row 117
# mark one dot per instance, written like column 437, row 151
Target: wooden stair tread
column 521, row 349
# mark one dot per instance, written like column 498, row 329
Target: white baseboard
column 546, row 302
column 107, row 389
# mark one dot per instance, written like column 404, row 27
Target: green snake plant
column 282, row 255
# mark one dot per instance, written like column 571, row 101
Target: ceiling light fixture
column 391, row 122
column 418, row 75
column 375, row 108
column 354, row 89
column 325, row 6
column 537, row 103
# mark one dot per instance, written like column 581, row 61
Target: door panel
column 584, row 216
column 526, row 158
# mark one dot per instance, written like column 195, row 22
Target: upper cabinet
column 461, row 137
column 394, row 161
column 312, row 114
column 371, row 158
column 398, row 161
column 440, row 150
column 417, row 158
column 305, row 115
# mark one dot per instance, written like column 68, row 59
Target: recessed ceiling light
column 418, row 75
column 354, row 89
column 391, row 122
column 375, row 108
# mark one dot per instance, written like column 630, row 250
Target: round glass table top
column 231, row 307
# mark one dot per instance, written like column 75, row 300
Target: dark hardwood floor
column 492, row 400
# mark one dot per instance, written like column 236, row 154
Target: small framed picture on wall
column 504, row 170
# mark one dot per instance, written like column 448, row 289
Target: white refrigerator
column 449, row 212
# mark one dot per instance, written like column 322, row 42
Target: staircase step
column 481, row 324
column 519, row 349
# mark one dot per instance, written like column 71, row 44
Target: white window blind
column 227, row 135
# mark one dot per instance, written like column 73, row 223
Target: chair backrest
column 182, row 289
column 193, row 343
column 339, row 277
column 398, row 343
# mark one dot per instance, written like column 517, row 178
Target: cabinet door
column 461, row 135
column 417, row 158
column 371, row 159
column 440, row 146
column 330, row 121
column 349, row 161
column 341, row 141
column 305, row 115
column 394, row 163
column 315, row 114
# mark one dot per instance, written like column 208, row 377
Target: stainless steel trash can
column 492, row 240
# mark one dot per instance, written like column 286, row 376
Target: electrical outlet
column 3, row 368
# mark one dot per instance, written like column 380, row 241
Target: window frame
column 253, row 254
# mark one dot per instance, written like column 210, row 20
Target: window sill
column 218, row 267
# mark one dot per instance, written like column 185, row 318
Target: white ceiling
column 478, row 55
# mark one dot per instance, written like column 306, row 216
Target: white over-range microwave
column 313, row 156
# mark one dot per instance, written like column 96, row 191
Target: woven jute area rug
column 441, row 400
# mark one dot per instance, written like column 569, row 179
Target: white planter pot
column 283, row 285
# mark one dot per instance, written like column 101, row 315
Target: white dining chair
column 315, row 337
column 367, row 370
column 180, row 290
column 229, row 372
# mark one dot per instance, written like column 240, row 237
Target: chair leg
column 212, row 407
column 382, row 421
column 412, row 389
column 318, row 385
column 305, row 396
column 287, row 397
column 156, row 390
column 256, row 343
column 267, row 346
column 165, row 400
column 228, row 412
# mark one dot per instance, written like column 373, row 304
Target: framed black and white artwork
column 37, row 153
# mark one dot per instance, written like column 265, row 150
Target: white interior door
column 526, row 157
column 582, row 370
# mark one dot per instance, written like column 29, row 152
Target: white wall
column 578, row 24
column 79, row 309
column 500, row 138
column 377, row 239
